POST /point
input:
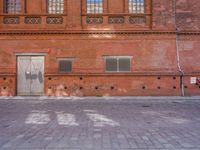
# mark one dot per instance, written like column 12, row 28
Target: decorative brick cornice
column 86, row 32
column 85, row 35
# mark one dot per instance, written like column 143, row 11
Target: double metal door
column 30, row 75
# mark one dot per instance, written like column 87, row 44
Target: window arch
column 94, row 6
column 55, row 6
column 136, row 6
column 12, row 6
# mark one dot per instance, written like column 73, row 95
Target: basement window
column 118, row 63
column 65, row 65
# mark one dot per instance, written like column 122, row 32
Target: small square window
column 94, row 6
column 136, row 6
column 56, row 6
column 65, row 66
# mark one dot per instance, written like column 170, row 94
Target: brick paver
column 79, row 124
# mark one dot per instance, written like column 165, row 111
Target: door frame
column 18, row 54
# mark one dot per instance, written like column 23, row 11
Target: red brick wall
column 163, row 13
column 188, row 14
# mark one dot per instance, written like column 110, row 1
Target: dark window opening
column 111, row 64
column 65, row 66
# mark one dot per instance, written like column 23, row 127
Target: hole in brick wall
column 185, row 87
column 199, row 86
column 81, row 78
column 174, row 87
column 174, row 78
column 96, row 87
column 112, row 87
column 158, row 78
column 4, row 78
column 50, row 78
column 65, row 87
column 159, row 87
column 49, row 87
column 81, row 88
column 4, row 87
column 146, row 106
column 144, row 87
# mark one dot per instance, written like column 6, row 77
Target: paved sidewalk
column 110, row 123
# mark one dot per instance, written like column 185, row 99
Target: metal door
column 30, row 75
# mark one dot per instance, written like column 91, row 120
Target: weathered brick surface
column 86, row 85
column 188, row 14
column 189, row 53
column 163, row 13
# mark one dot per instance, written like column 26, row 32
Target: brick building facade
column 99, row 47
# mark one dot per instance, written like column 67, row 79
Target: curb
column 106, row 99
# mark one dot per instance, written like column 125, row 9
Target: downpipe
column 177, row 52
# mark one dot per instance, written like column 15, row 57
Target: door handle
column 28, row 75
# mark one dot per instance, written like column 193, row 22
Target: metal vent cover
column 65, row 66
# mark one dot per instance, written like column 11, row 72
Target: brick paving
column 89, row 124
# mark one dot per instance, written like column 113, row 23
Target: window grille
column 136, row 6
column 94, row 6
column 65, row 66
column 118, row 64
column 55, row 6
column 12, row 6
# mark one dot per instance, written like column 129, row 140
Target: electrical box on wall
column 193, row 80
column 198, row 81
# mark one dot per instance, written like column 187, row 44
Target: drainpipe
column 177, row 51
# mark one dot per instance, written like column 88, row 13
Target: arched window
column 12, row 6
column 55, row 6
column 136, row 6
column 94, row 6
